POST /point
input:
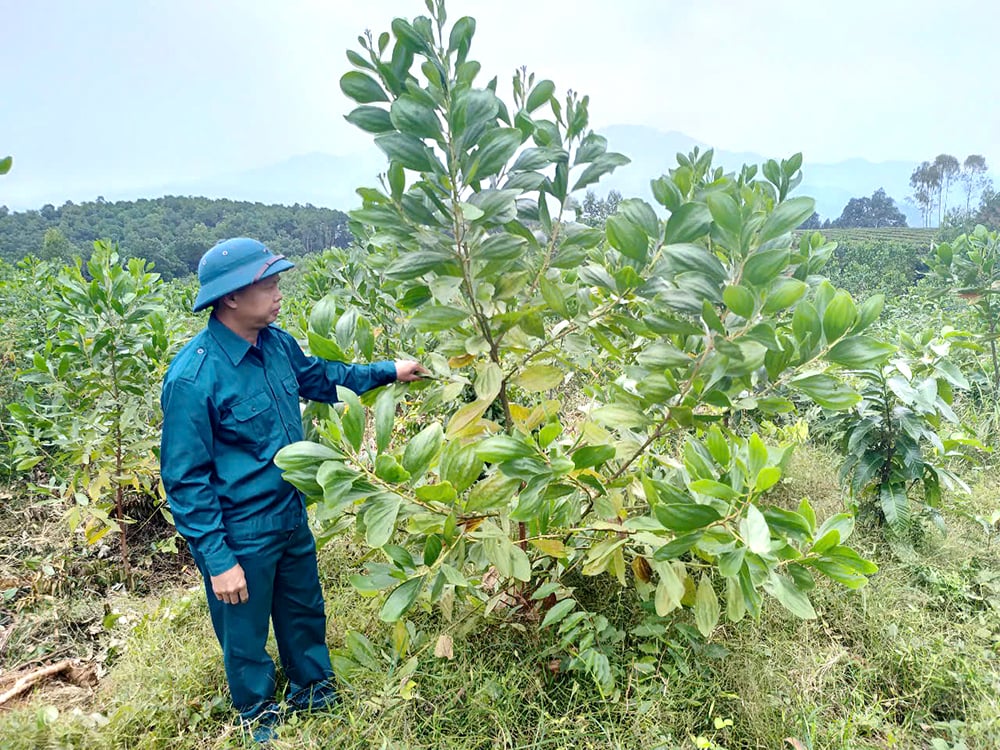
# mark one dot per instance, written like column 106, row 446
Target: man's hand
column 231, row 587
column 408, row 371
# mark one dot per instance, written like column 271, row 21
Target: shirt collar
column 234, row 345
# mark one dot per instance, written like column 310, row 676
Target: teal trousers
column 283, row 587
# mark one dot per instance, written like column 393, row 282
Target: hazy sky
column 128, row 93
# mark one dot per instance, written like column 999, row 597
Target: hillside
column 173, row 232
column 322, row 179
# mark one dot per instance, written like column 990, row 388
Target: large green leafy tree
column 583, row 378
column 878, row 211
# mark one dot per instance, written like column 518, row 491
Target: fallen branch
column 78, row 674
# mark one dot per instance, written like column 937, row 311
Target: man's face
column 258, row 305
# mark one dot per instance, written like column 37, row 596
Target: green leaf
column 592, row 455
column 495, row 150
column 380, row 519
column 685, row 257
column 304, row 454
column 859, row 352
column 5, row 164
column 706, row 607
column 783, row 294
column 895, row 506
column 510, row 560
column 685, row 517
column 677, row 547
column 627, row 238
column 432, row 549
column 408, row 151
column 840, row 315
column 540, row 94
column 324, row 348
column 785, row 591
column 385, row 414
column 806, row 323
column 492, row 492
column 422, row 448
column 666, row 193
column 687, row 223
column 601, row 166
column 764, row 266
column 870, row 311
column 950, row 372
column 538, row 378
column 371, row 119
column 767, row 478
column 353, row 417
column 413, row 264
column 739, row 299
column 786, row 217
column 559, row 610
column 500, row 247
column 641, row 214
column 501, row 448
column 725, row 213
column 712, row 488
column 842, row 522
column 362, row 88
column 401, row 599
column 755, row 531
column 460, row 465
column 437, row 493
column 439, row 318
column 825, row 542
column 615, row 415
column 590, row 148
column 826, row 391
column 411, row 116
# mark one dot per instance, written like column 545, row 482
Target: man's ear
column 230, row 301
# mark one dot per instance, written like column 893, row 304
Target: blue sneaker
column 263, row 726
column 320, row 696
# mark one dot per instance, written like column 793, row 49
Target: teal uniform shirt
column 228, row 407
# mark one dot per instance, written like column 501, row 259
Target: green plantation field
column 906, row 235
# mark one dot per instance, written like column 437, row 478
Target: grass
column 910, row 661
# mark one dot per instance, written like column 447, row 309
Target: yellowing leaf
column 539, row 378
column 669, row 590
column 466, row 416
column 706, row 607
column 550, row 547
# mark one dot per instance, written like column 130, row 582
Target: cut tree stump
column 71, row 669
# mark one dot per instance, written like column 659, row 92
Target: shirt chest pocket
column 251, row 420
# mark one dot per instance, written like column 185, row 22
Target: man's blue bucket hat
column 234, row 264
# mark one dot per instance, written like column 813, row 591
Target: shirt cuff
column 220, row 561
column 384, row 372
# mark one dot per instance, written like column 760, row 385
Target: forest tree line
column 172, row 232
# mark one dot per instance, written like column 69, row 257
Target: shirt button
column 201, row 351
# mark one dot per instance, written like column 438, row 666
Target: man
column 230, row 402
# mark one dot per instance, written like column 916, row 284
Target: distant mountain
column 832, row 185
column 330, row 181
column 324, row 180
